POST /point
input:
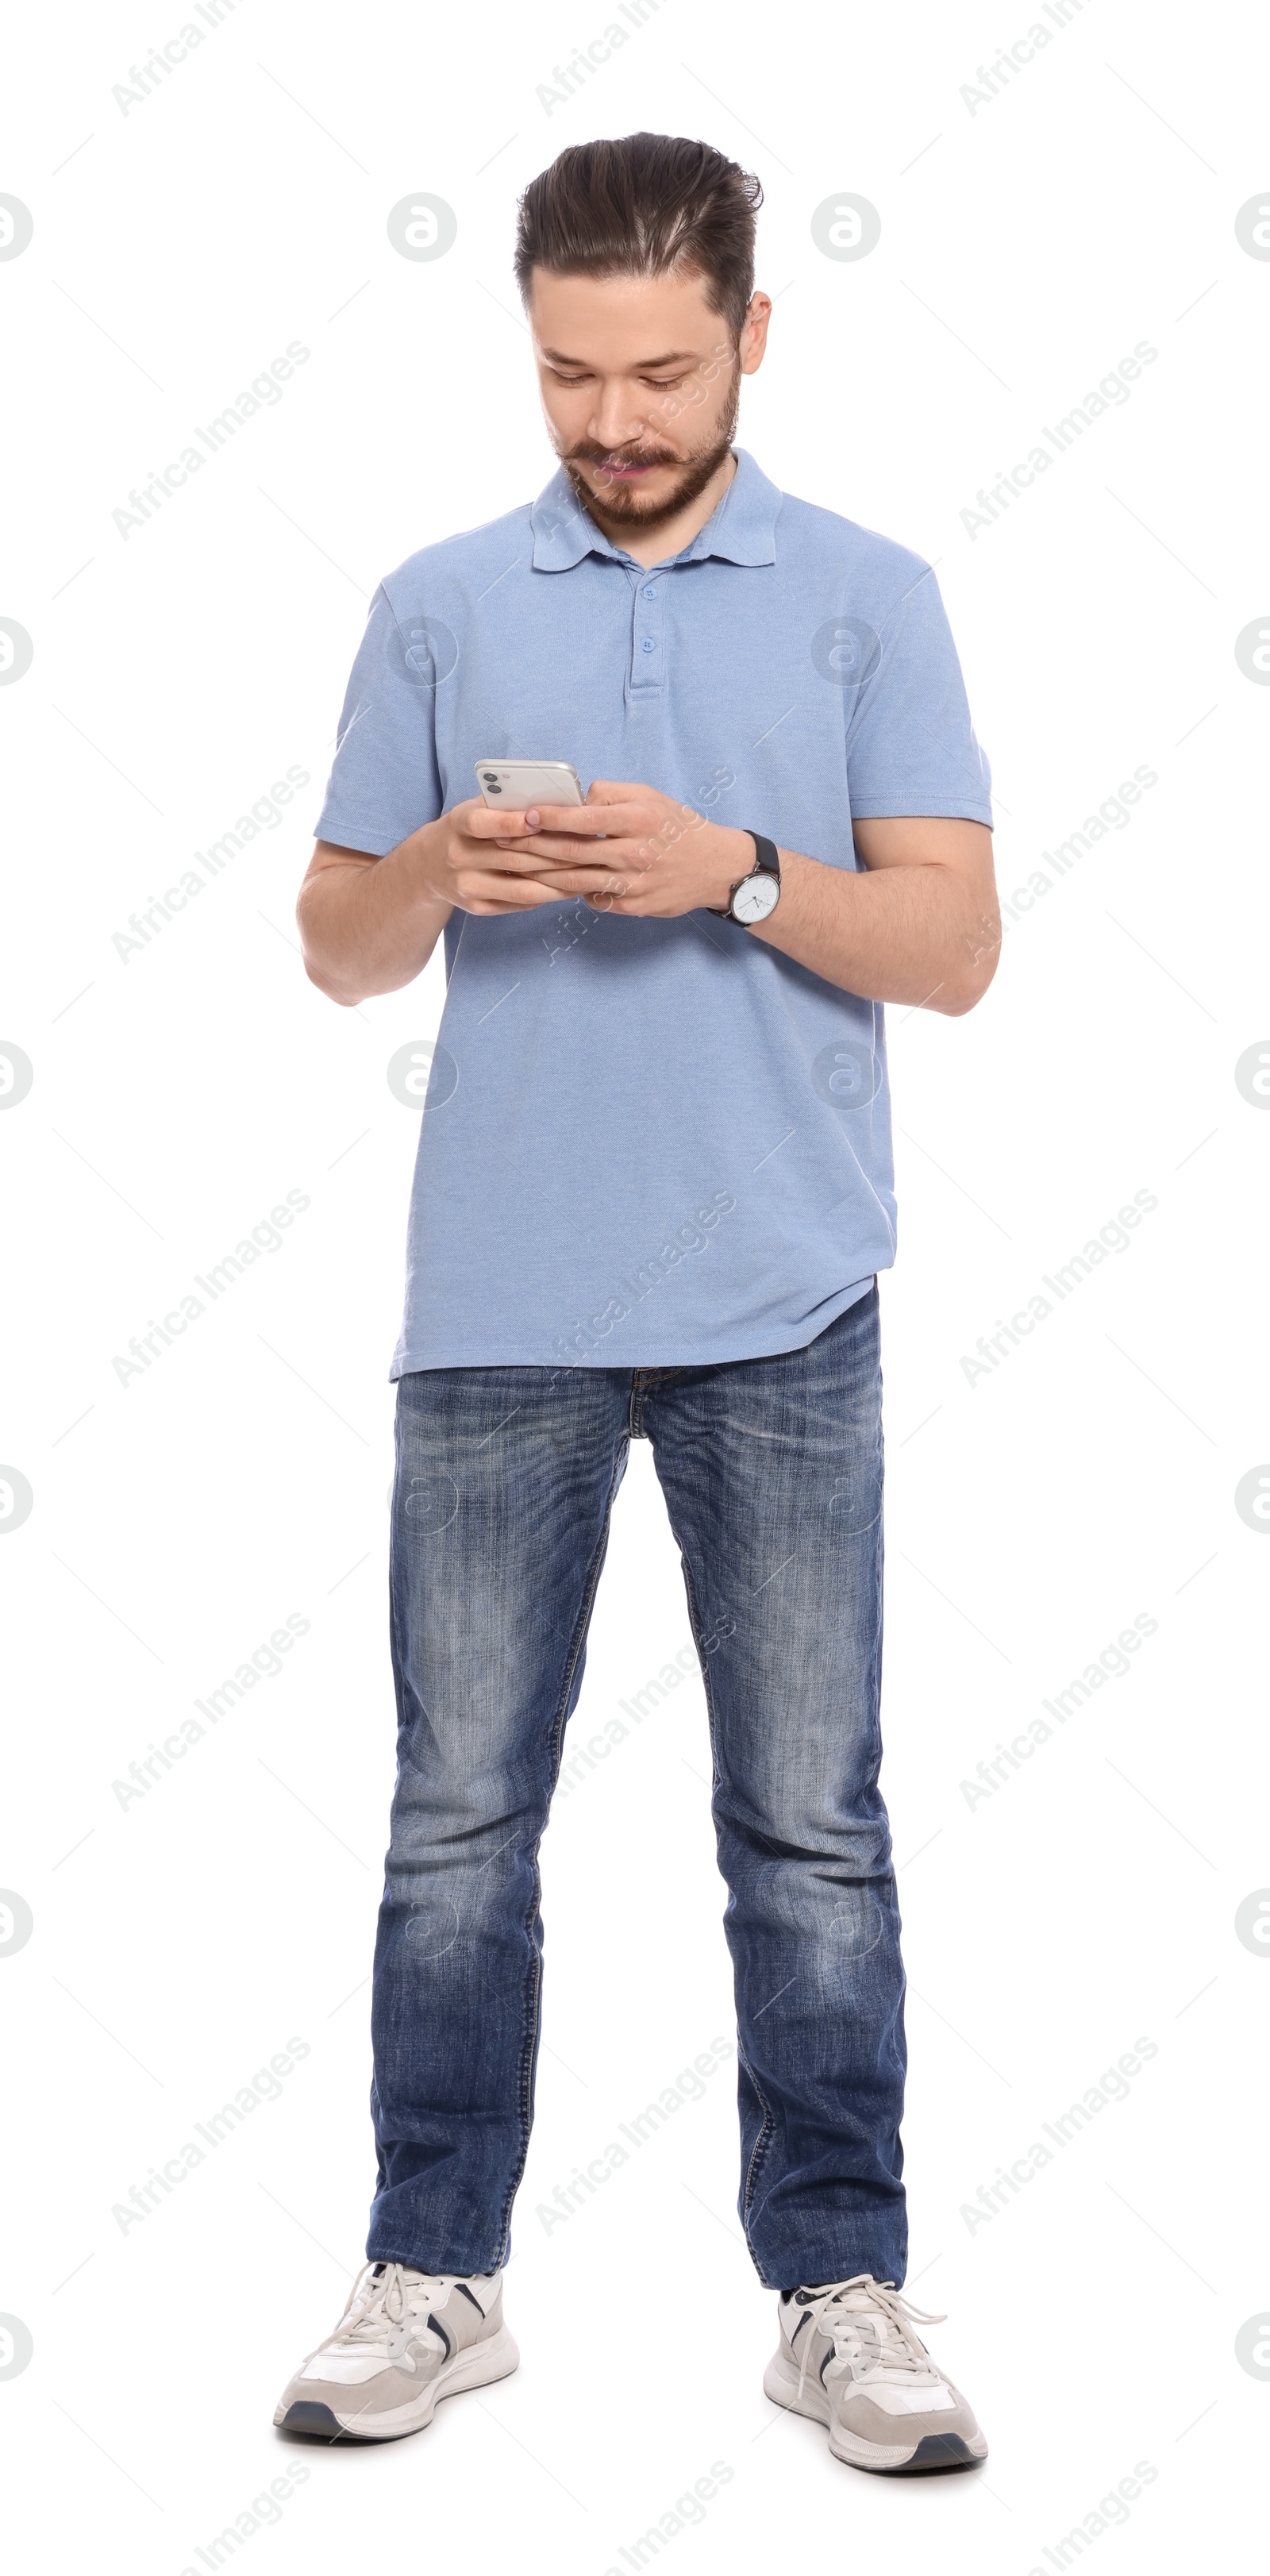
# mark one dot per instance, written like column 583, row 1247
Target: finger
column 485, row 822
column 585, row 843
column 616, row 791
column 506, row 859
column 652, row 807
column 591, row 882
column 566, row 818
column 634, row 821
column 568, row 849
column 477, row 891
column 502, row 911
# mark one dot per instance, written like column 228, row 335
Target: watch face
column 756, row 897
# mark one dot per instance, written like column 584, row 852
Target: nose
column 616, row 422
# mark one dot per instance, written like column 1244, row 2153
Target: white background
column 179, row 1942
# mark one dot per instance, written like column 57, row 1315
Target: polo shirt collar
column 742, row 530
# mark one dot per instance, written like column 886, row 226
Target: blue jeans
column 772, row 1474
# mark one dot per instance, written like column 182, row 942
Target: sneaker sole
column 496, row 2358
column 886, row 2459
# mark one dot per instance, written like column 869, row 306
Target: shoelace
column 378, row 2306
column 874, row 2330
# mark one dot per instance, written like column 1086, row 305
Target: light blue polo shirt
column 651, row 1143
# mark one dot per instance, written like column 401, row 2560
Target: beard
column 625, row 506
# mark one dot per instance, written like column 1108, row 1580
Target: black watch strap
column 766, row 857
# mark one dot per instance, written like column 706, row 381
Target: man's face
column 640, row 384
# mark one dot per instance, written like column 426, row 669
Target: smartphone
column 520, row 783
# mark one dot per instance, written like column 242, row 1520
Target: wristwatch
column 754, row 898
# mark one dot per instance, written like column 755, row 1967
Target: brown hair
column 647, row 205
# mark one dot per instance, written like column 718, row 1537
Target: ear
column 754, row 333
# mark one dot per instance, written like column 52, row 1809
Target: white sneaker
column 405, row 2340
column 849, row 2357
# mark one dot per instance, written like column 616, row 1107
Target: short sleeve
column 384, row 781
column 911, row 747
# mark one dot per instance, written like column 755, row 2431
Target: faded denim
column 772, row 1474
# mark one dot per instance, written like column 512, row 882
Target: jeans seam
column 765, row 2135
column 557, row 1746
column 768, row 2130
column 694, row 1622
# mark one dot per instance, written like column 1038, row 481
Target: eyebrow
column 673, row 357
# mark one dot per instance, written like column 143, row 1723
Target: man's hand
column 629, row 850
column 467, row 866
column 369, row 925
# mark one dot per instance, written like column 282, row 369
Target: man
column 652, row 1198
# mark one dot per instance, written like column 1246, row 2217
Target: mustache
column 587, row 453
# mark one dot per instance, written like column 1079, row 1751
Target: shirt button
column 649, row 646
column 650, row 590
